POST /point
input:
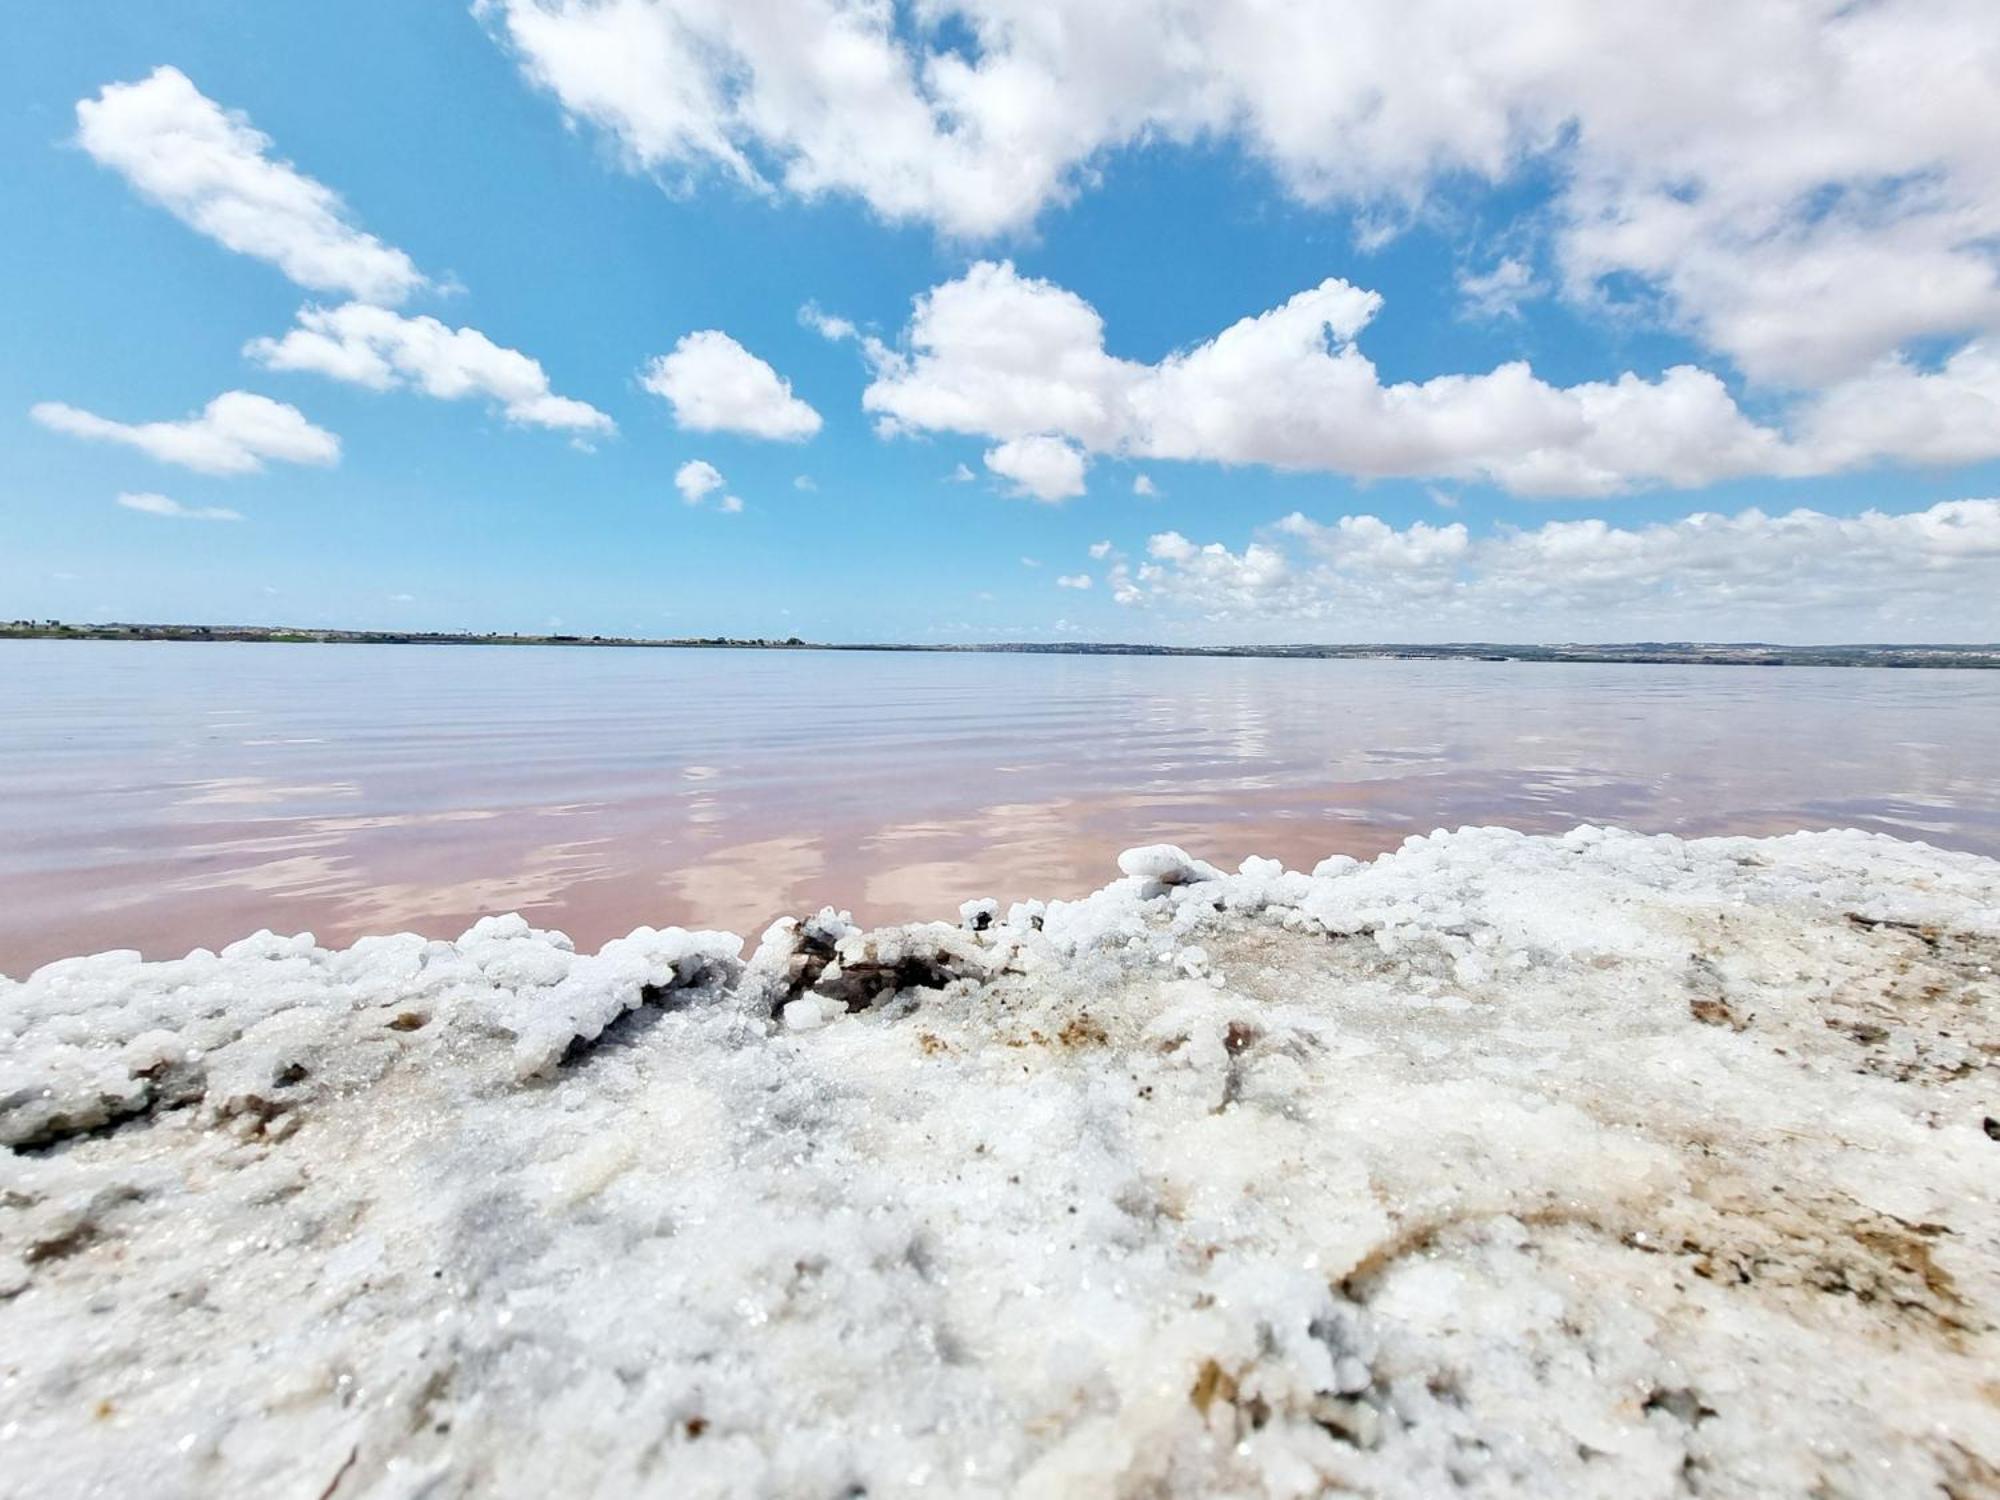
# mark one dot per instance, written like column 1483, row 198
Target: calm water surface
column 163, row 796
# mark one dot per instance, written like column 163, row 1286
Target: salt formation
column 1599, row 1165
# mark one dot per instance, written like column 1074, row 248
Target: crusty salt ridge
column 1596, row 1165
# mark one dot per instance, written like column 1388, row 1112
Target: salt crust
column 1593, row 1165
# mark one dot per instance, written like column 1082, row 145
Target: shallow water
column 161, row 796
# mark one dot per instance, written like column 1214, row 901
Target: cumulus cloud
column 214, row 171
column 1950, row 415
column 1100, row 550
column 1807, row 187
column 1000, row 355
column 1143, row 487
column 1369, row 542
column 1073, row 581
column 159, row 505
column 959, row 474
column 1041, row 467
column 1929, row 574
column 696, row 480
column 383, row 350
column 714, row 384
column 1248, row 584
column 234, row 434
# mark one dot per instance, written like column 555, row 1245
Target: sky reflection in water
column 163, row 796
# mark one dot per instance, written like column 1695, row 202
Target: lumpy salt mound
column 1598, row 1165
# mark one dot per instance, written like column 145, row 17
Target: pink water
column 162, row 796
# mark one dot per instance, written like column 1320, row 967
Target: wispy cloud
column 159, row 505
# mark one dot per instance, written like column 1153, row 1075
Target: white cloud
column 1031, row 562
column 1009, row 357
column 714, row 384
column 1100, row 550
column 1370, row 542
column 234, row 434
column 1947, row 416
column 804, row 482
column 1042, row 467
column 960, row 474
column 696, row 480
column 213, row 171
column 380, row 349
column 159, row 505
column 1073, row 581
column 827, row 325
column 1499, row 292
column 823, row 97
column 1143, row 487
column 1930, row 574
column 1806, row 185
column 1218, row 582
column 1005, row 356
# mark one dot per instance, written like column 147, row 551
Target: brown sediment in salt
column 1500, row 1165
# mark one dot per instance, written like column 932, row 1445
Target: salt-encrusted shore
column 1595, row 1165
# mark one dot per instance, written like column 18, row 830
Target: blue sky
column 590, row 220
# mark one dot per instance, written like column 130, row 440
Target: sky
column 963, row 320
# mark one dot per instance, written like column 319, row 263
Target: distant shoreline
column 1673, row 653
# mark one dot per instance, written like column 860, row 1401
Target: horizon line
column 53, row 628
